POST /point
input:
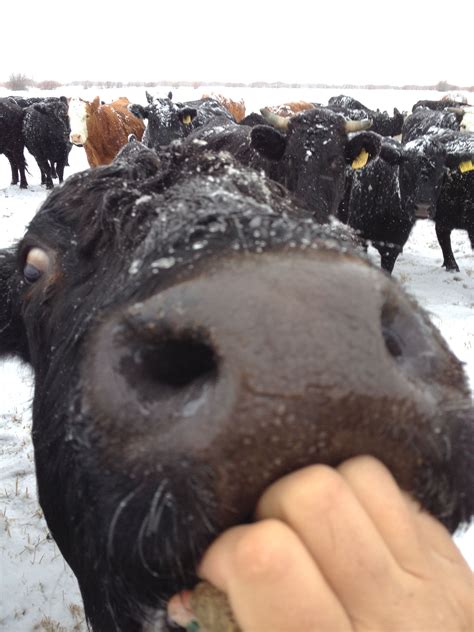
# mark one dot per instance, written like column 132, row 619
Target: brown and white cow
column 102, row 128
column 290, row 108
column 236, row 108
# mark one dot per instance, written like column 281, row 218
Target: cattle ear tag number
column 466, row 166
column 361, row 160
column 187, row 119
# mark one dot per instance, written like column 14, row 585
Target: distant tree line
column 20, row 81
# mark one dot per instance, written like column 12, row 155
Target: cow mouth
column 433, row 491
column 423, row 211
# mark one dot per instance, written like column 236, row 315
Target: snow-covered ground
column 37, row 590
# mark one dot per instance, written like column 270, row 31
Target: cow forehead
column 77, row 107
column 163, row 109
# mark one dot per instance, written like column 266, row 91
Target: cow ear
column 138, row 110
column 40, row 107
column 268, row 141
column 361, row 148
column 170, row 95
column 458, row 162
column 12, row 333
column 95, row 103
column 64, row 100
column 392, row 152
column 187, row 115
column 149, row 97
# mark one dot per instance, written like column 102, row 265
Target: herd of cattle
column 197, row 328
column 376, row 184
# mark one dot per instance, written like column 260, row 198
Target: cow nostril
column 177, row 362
column 160, row 362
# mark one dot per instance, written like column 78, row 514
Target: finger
column 320, row 506
column 271, row 580
column 392, row 512
column 439, row 540
column 409, row 532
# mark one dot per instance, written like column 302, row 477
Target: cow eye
column 36, row 263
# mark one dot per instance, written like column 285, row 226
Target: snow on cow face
column 78, row 114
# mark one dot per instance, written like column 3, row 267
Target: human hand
column 342, row 550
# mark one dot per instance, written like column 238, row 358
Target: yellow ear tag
column 361, row 160
column 187, row 119
column 466, row 166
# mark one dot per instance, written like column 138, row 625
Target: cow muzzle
column 261, row 366
column 77, row 139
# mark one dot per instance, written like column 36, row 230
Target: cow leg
column 470, row 234
column 42, row 172
column 388, row 256
column 14, row 168
column 60, row 171
column 53, row 170
column 45, row 173
column 18, row 165
column 443, row 233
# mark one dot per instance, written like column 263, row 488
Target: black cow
column 438, row 104
column 25, row 102
column 11, row 139
column 195, row 336
column 382, row 122
column 463, row 112
column 307, row 153
column 454, row 208
column 168, row 121
column 46, row 132
column 381, row 201
column 424, row 121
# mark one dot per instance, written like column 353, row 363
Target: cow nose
column 264, row 365
column 76, row 139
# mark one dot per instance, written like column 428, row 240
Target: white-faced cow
column 103, row 129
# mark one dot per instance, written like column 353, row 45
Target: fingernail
column 179, row 611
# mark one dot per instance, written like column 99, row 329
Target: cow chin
column 169, row 511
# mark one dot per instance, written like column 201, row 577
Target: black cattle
column 25, row 102
column 307, row 153
column 195, row 336
column 382, row 122
column 424, row 121
column 46, row 136
column 439, row 104
column 11, row 139
column 252, row 119
column 168, row 121
column 454, row 208
column 381, row 201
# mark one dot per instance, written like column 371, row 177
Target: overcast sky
column 397, row 42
